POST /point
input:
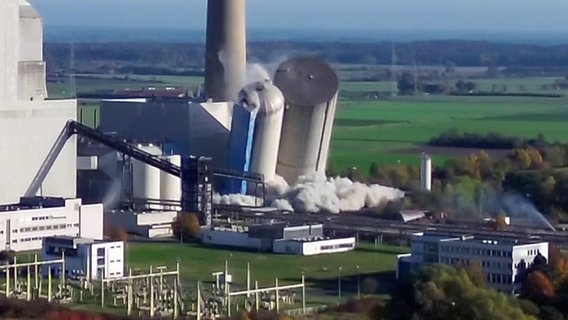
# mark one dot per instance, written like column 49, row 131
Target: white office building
column 84, row 257
column 278, row 238
column 24, row 225
column 502, row 260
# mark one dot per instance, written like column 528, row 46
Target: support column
column 49, row 284
column 303, row 293
column 175, row 299
column 8, row 281
column 257, row 296
column 29, row 285
column 277, row 295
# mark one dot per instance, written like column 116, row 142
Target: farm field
column 395, row 130
column 321, row 272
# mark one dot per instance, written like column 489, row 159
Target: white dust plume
column 317, row 193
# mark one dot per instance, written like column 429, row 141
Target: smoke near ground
column 523, row 213
column 317, row 193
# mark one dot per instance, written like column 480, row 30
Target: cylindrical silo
column 225, row 49
column 426, row 172
column 310, row 90
column 267, row 103
column 146, row 179
column 170, row 185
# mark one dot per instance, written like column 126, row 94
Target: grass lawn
column 321, row 272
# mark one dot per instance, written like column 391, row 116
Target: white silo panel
column 301, row 141
column 146, row 179
column 171, row 185
column 267, row 101
column 328, row 128
column 266, row 144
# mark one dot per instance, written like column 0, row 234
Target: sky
column 371, row 15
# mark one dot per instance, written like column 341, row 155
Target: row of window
column 533, row 252
column 499, row 278
column 337, row 246
column 476, row 251
column 52, row 227
column 484, row 264
column 40, row 218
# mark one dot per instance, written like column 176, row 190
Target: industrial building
column 29, row 124
column 281, row 128
column 278, row 238
column 150, row 224
column 85, row 257
column 502, row 260
column 24, row 225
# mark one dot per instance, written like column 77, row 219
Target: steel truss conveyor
column 73, row 127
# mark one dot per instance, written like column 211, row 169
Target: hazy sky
column 475, row 15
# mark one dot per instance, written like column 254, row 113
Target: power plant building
column 29, row 124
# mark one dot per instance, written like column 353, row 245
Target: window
column 15, row 241
column 100, row 252
column 101, row 261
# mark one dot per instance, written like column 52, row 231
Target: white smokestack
column 225, row 52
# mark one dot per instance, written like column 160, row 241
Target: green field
column 321, row 272
column 367, row 131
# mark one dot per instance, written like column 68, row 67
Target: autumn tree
column 538, row 287
column 118, row 233
column 186, row 226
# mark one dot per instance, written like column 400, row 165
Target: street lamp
column 339, row 285
column 358, row 283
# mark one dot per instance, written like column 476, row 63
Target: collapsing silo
column 310, row 89
column 255, row 132
column 225, row 52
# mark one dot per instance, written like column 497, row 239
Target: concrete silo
column 425, row 172
column 310, row 89
column 170, row 185
column 145, row 178
column 255, row 131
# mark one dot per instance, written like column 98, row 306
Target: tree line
column 453, row 137
column 191, row 55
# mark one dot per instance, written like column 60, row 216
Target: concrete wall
column 309, row 248
column 229, row 238
column 112, row 261
column 28, row 130
column 30, row 34
column 9, row 25
column 91, row 221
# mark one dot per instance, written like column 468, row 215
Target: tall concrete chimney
column 225, row 56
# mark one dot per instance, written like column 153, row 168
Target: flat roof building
column 85, row 258
column 502, row 260
column 24, row 225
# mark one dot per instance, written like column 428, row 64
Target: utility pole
column 338, row 285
